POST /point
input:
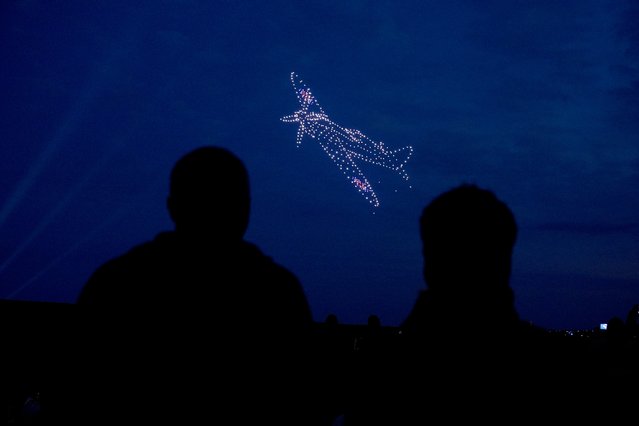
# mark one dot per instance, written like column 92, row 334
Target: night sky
column 535, row 100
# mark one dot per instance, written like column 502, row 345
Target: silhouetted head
column 209, row 196
column 467, row 239
column 374, row 321
column 616, row 330
column 331, row 319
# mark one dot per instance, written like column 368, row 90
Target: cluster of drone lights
column 344, row 146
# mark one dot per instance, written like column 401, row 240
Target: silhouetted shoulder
column 108, row 283
column 236, row 279
column 280, row 291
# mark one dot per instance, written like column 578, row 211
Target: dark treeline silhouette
column 198, row 325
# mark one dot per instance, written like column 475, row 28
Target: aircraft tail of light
column 400, row 157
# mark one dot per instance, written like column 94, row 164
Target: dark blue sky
column 538, row 101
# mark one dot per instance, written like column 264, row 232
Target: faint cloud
column 173, row 39
column 625, row 95
column 588, row 228
column 628, row 29
column 28, row 5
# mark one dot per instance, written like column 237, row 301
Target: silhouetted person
column 632, row 321
column 198, row 323
column 371, row 336
column 468, row 236
column 374, row 323
column 332, row 352
column 464, row 348
column 331, row 320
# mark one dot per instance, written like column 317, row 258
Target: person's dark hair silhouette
column 209, row 195
column 231, row 315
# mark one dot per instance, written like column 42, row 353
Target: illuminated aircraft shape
column 344, row 146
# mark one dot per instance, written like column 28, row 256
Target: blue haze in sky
column 537, row 101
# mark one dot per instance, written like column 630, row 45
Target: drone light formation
column 344, row 146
